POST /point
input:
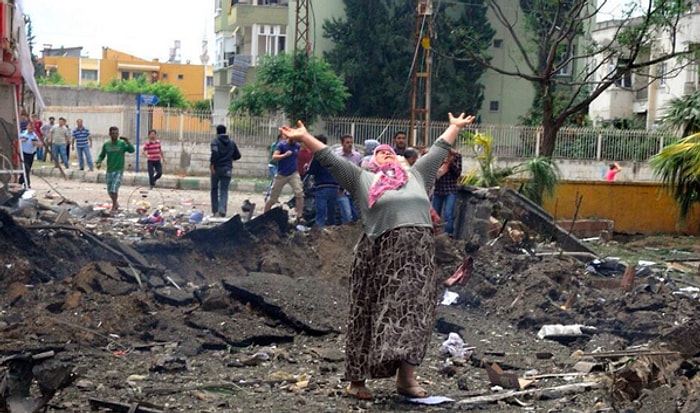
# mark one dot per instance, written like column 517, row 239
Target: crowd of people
column 290, row 163
column 52, row 142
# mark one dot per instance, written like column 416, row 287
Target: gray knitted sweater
column 407, row 206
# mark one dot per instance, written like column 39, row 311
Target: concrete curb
column 140, row 179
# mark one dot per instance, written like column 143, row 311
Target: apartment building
column 195, row 81
column 245, row 31
column 248, row 29
column 637, row 95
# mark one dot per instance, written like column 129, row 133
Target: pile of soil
column 250, row 317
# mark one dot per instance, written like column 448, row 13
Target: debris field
column 106, row 312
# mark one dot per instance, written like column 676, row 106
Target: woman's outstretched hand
column 294, row 133
column 462, row 120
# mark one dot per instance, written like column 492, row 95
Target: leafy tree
column 375, row 49
column 678, row 167
column 54, row 79
column 683, row 114
column 553, row 41
column 168, row 95
column 301, row 86
column 202, row 105
column 541, row 174
column 455, row 85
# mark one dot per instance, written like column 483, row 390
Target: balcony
column 248, row 14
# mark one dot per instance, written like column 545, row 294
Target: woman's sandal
column 413, row 392
column 360, row 393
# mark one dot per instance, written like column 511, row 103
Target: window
column 125, row 75
column 497, row 43
column 180, row 77
column 494, row 106
column 565, row 59
column 164, row 76
column 210, row 81
column 625, row 75
column 137, row 75
column 271, row 39
column 89, row 75
column 663, row 76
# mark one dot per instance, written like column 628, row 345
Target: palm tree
column 683, row 114
column 678, row 167
column 541, row 173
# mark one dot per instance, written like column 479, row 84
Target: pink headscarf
column 391, row 175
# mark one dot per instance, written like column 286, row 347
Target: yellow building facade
column 195, row 81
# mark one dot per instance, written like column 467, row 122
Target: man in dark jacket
column 328, row 193
column 223, row 152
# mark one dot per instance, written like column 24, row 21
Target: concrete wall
column 186, row 158
column 82, row 96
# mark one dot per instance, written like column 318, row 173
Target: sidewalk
column 140, row 179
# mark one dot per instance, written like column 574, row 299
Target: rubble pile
column 103, row 312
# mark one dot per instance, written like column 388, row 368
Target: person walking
column 223, row 152
column 272, row 165
column 286, row 154
column 46, row 133
column 114, row 150
column 29, row 142
column 154, row 158
column 393, row 288
column 82, row 144
column 60, row 139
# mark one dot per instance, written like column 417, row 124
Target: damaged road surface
column 250, row 316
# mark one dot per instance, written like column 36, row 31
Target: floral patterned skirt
column 393, row 297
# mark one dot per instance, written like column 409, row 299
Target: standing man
column 400, row 143
column 223, row 152
column 286, row 155
column 46, row 133
column 445, row 193
column 114, row 150
column 30, row 142
column 348, row 151
column 60, row 139
column 154, row 157
column 38, row 129
column 82, row 143
column 272, row 165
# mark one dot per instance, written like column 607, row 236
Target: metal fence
column 521, row 141
column 193, row 127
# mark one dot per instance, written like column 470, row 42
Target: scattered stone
column 170, row 364
column 173, row 296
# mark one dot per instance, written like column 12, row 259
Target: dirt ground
column 238, row 316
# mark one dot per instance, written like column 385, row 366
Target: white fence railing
column 509, row 141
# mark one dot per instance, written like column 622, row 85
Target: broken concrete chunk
column 307, row 304
column 169, row 364
column 173, row 296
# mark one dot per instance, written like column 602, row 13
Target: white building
column 638, row 96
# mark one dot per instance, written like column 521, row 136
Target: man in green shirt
column 114, row 150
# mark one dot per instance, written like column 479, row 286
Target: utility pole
column 302, row 48
column 421, row 75
column 301, row 30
